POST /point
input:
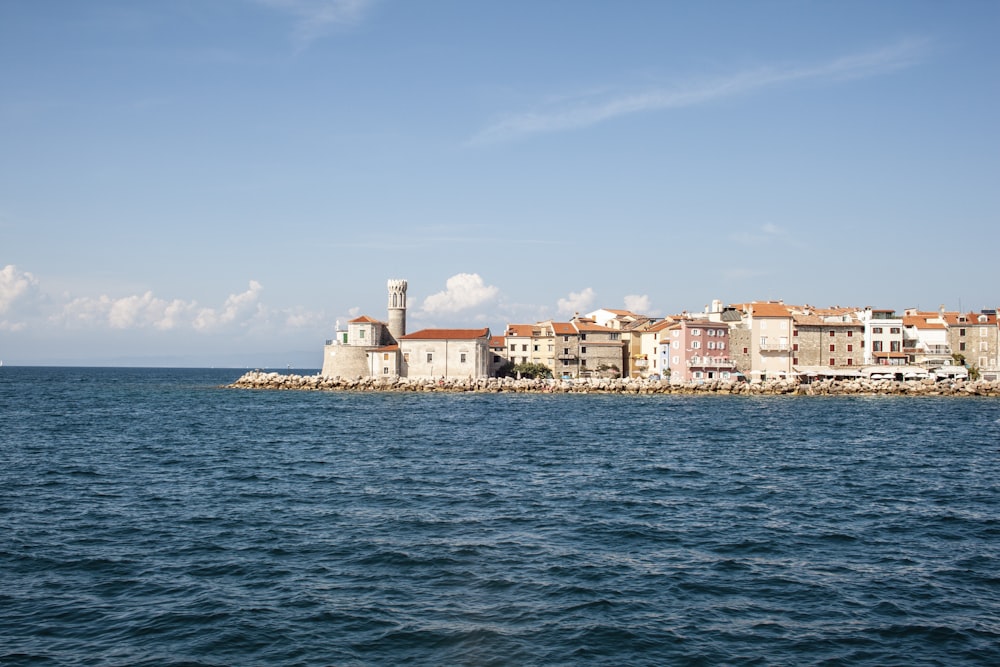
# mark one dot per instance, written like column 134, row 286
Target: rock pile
column 858, row 386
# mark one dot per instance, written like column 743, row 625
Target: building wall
column 450, row 359
column 345, row 361
column 814, row 342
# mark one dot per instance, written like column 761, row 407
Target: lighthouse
column 397, row 308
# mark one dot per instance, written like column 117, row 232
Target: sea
column 155, row 517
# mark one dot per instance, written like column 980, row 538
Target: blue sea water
column 151, row 517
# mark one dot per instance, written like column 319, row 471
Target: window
column 675, row 333
column 876, row 346
column 710, row 332
column 385, row 370
column 763, row 341
column 565, row 350
column 982, row 361
column 784, row 325
column 462, row 358
column 361, row 333
column 746, row 350
column 535, row 347
column 795, row 332
column 894, row 330
column 721, row 345
column 513, row 347
column 696, row 344
column 795, row 347
column 850, row 362
column 565, row 339
column 831, row 332
column 710, row 345
column 850, row 334
column 720, row 332
column 833, row 348
column 877, row 330
column 961, row 332
column 406, row 357
column 763, row 324
column 583, row 336
column 850, row 348
column 983, row 347
column 524, row 348
column 676, row 360
column 833, row 362
column 695, row 332
column 961, row 346
column 676, row 344
column 894, row 346
column 385, row 356
column 583, row 350
column 982, row 332
column 795, row 360
column 697, row 375
column 430, row 357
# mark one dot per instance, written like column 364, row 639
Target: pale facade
column 883, row 337
column 446, row 354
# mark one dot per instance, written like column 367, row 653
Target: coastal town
column 753, row 344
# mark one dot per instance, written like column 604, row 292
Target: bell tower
column 397, row 308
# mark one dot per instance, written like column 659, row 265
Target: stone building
column 823, row 342
column 976, row 338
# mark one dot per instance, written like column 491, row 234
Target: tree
column 526, row 370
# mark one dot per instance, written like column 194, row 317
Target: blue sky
column 218, row 182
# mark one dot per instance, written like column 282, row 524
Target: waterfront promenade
column 278, row 381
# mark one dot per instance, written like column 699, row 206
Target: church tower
column 397, row 308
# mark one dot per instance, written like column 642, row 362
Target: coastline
column 851, row 387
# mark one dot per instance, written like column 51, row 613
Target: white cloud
column 14, row 285
column 575, row 112
column 314, row 18
column 577, row 302
column 19, row 292
column 462, row 291
column 637, row 304
column 240, row 306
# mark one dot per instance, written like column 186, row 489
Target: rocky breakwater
column 262, row 380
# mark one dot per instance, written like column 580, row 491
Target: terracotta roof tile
column 447, row 334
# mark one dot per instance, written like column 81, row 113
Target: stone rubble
column 856, row 386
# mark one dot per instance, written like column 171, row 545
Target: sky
column 222, row 182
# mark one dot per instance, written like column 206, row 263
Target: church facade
column 372, row 348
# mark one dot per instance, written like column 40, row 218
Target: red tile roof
column 766, row 309
column 364, row 319
column 447, row 334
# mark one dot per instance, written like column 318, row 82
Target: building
column 827, row 342
column 446, row 354
column 696, row 350
column 883, row 337
column 974, row 339
column 371, row 348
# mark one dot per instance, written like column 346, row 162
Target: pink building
column 697, row 351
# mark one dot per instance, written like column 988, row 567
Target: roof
column 386, row 348
column 921, row 322
column 520, row 330
column 584, row 325
column 818, row 321
column 447, row 334
column 497, row 341
column 364, row 319
column 563, row 329
column 769, row 309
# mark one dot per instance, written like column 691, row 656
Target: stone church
column 371, row 348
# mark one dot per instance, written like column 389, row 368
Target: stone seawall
column 261, row 380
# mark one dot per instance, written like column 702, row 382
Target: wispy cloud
column 17, row 289
column 571, row 113
column 637, row 303
column 315, row 18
